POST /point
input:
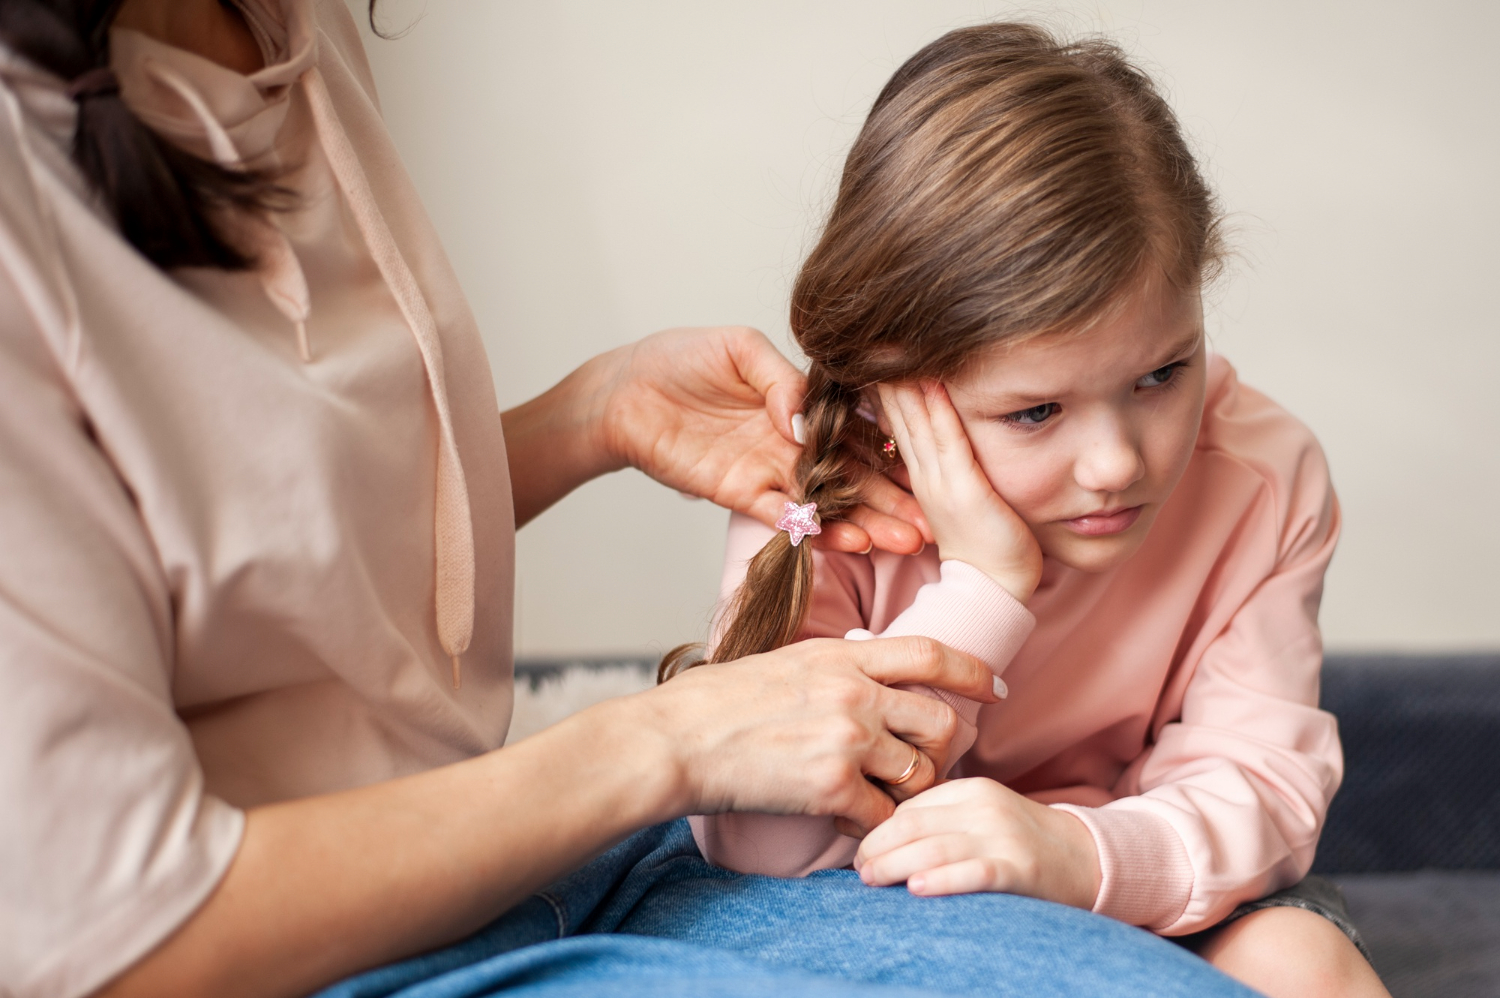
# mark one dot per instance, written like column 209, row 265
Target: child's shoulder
column 1247, row 435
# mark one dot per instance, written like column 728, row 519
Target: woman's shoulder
column 1251, row 439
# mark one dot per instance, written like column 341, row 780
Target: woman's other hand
column 968, row 836
column 798, row 730
column 969, row 520
column 707, row 412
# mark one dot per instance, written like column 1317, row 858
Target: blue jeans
column 650, row 917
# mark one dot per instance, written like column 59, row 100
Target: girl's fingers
column 907, row 428
column 949, row 438
column 907, row 415
column 913, row 858
column 968, row 876
column 909, row 824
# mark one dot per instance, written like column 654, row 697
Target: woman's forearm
column 324, row 887
column 553, row 443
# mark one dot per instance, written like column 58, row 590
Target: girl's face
column 1086, row 435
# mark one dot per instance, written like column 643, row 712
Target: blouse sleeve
column 107, row 840
column 965, row 609
column 1228, row 803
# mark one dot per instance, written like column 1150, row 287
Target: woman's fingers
column 889, row 661
column 842, row 535
column 903, row 769
column 865, row 529
column 884, row 498
column 866, row 807
column 889, row 519
column 769, row 373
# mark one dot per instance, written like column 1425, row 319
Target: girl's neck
column 208, row 28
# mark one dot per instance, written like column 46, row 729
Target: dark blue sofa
column 1413, row 836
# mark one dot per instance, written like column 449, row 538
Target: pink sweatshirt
column 1170, row 704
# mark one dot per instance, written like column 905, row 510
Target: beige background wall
column 602, row 169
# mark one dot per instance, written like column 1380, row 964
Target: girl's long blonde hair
column 1006, row 184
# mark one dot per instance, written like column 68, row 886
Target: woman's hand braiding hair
column 833, row 470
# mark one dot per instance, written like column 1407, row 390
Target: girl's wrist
column 1080, row 873
column 1019, row 582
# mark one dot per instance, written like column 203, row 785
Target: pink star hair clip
column 799, row 521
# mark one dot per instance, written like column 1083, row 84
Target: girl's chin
column 1093, row 554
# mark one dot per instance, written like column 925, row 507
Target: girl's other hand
column 968, row 519
column 708, row 412
column 975, row 835
column 798, row 730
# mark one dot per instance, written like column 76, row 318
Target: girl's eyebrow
column 1187, row 344
column 1015, row 401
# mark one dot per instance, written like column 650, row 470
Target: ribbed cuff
column 969, row 611
column 1146, row 877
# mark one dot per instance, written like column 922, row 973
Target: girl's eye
column 1160, row 376
column 1035, row 416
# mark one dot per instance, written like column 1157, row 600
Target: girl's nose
column 1111, row 462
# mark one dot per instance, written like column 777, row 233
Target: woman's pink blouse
column 217, row 558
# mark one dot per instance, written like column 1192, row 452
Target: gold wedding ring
column 911, row 769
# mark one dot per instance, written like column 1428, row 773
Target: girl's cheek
column 1030, row 480
column 1171, row 440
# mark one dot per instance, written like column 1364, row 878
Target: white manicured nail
column 1001, row 690
column 799, row 429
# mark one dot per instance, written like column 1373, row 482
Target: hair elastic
column 799, row 521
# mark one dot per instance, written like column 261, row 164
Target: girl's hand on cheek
column 968, row 519
column 974, row 835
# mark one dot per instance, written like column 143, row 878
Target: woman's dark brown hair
column 1006, row 184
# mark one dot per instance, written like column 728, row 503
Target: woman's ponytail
column 169, row 204
column 771, row 605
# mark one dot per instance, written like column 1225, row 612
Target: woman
column 256, row 506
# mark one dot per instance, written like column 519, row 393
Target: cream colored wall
column 602, row 169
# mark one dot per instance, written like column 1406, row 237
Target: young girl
column 1004, row 314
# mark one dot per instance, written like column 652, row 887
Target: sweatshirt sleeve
column 1228, row 803
column 965, row 609
column 107, row 840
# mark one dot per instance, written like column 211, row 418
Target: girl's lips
column 1104, row 522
